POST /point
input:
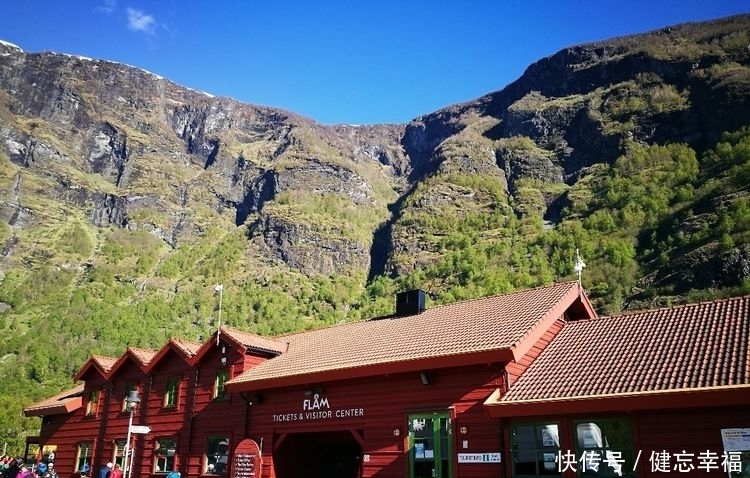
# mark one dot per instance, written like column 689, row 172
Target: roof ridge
column 457, row 303
column 506, row 294
column 673, row 307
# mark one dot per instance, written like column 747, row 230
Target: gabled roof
column 246, row 340
column 702, row 349
column 64, row 402
column 188, row 347
column 141, row 357
column 183, row 348
column 491, row 329
column 255, row 342
column 99, row 363
column 148, row 359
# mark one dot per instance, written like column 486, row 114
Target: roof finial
column 579, row 266
column 220, row 289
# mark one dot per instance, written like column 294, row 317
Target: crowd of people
column 11, row 467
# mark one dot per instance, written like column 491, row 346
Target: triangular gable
column 96, row 364
column 64, row 402
column 184, row 349
column 573, row 305
column 141, row 357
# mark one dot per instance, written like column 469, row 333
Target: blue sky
column 339, row 61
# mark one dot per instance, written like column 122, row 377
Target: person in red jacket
column 116, row 471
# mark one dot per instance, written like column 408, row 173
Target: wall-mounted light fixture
column 424, row 377
column 463, row 430
column 396, row 432
column 313, row 391
column 131, row 403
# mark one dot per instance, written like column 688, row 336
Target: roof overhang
column 61, row 408
column 371, row 370
column 730, row 395
column 61, row 404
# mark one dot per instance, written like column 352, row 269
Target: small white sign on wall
column 479, row 458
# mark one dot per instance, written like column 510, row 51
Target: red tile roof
column 143, row 356
column 256, row 342
column 105, row 363
column 100, row 363
column 63, row 402
column 188, row 347
column 495, row 328
column 697, row 346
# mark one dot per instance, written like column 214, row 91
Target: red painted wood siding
column 692, row 430
column 212, row 417
column 67, row 431
column 165, row 422
column 386, row 402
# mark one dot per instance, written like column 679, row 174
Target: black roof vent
column 410, row 302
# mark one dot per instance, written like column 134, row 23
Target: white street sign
column 142, row 429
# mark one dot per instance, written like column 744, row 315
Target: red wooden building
column 526, row 384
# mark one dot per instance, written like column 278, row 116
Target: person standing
column 116, row 471
column 106, row 470
column 25, row 471
column 13, row 470
column 51, row 473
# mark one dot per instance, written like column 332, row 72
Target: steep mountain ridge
column 126, row 198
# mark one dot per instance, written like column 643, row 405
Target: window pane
column 166, row 448
column 217, row 450
column 535, row 450
column 93, row 399
column 119, row 452
column 220, row 392
column 604, row 448
column 83, row 461
column 170, row 395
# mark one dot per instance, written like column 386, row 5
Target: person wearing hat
column 106, row 470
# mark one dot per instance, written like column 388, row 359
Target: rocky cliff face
column 122, row 148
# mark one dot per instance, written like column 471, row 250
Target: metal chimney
column 410, row 302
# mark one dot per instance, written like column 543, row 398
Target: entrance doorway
column 335, row 454
column 430, row 445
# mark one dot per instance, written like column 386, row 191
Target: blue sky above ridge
column 339, row 61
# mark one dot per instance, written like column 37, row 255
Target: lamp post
column 131, row 403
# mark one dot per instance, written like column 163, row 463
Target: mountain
column 127, row 198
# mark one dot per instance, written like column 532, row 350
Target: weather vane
column 579, row 266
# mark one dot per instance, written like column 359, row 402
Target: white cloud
column 107, row 7
column 141, row 22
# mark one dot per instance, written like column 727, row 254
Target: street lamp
column 131, row 403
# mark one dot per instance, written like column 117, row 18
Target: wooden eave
column 60, row 404
column 61, row 408
column 227, row 336
column 170, row 346
column 93, row 362
column 729, row 395
column 132, row 356
column 374, row 370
